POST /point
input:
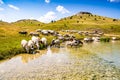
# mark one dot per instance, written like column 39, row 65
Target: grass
column 10, row 39
column 10, row 46
column 105, row 39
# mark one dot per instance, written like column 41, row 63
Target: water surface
column 93, row 61
column 107, row 51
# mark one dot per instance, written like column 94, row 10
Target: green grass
column 105, row 39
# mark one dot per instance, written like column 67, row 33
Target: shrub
column 95, row 19
column 65, row 25
column 80, row 16
column 77, row 21
column 114, row 19
column 71, row 17
column 105, row 39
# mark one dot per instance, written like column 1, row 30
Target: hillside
column 85, row 21
column 28, row 24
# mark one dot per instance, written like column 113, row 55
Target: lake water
column 107, row 51
column 92, row 61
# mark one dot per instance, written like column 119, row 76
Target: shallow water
column 107, row 51
column 94, row 61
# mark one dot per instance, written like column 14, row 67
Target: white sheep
column 55, row 42
column 27, row 45
column 74, row 42
column 96, row 39
column 24, row 44
column 44, row 41
column 36, row 41
column 30, row 46
column 88, row 39
column 44, row 32
column 69, row 43
column 114, row 38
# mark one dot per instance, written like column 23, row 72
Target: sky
column 48, row 10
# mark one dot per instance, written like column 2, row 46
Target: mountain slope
column 28, row 24
column 86, row 21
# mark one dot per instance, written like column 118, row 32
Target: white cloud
column 47, row 1
column 13, row 7
column 1, row 2
column 49, row 16
column 1, row 9
column 114, row 0
column 61, row 9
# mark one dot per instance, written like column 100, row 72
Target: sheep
column 44, row 41
column 68, row 43
column 44, row 32
column 51, row 32
column 80, row 32
column 59, row 34
column 23, row 32
column 34, row 34
column 68, row 37
column 79, row 41
column 96, row 39
column 36, row 41
column 55, row 42
column 101, row 33
column 74, row 42
column 86, row 33
column 88, row 39
column 30, row 45
column 38, row 30
column 55, row 34
column 60, row 37
column 27, row 45
column 24, row 44
column 115, row 38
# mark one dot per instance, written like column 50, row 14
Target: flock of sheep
column 35, row 41
column 68, row 38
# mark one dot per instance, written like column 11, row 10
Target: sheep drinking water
column 74, row 42
column 28, row 46
column 44, row 41
column 55, row 42
column 36, row 41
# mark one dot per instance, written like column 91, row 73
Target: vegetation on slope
column 86, row 22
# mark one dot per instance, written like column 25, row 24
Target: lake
column 92, row 61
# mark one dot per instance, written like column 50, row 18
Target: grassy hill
column 10, row 38
column 86, row 22
column 28, row 24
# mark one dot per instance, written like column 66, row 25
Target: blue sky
column 47, row 10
